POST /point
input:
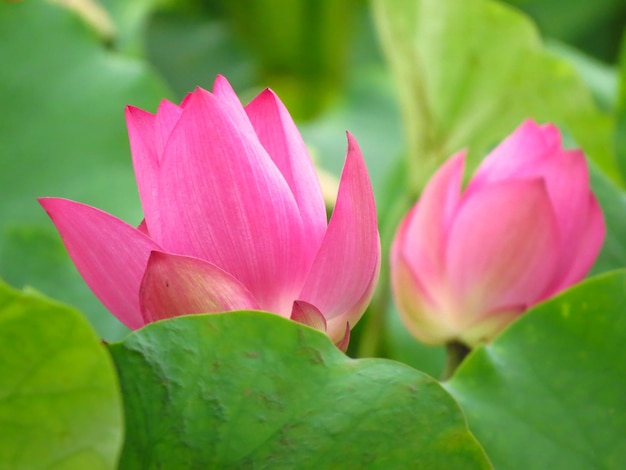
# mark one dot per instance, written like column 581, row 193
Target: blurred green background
column 68, row 71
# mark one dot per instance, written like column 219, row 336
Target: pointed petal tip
column 343, row 343
column 307, row 314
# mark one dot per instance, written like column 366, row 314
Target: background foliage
column 414, row 81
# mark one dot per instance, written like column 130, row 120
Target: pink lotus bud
column 466, row 264
column 234, row 219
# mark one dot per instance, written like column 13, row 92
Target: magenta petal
column 229, row 101
column 179, row 285
column 148, row 135
column 280, row 137
column 503, row 247
column 227, row 203
column 142, row 136
column 307, row 314
column 110, row 255
column 167, row 116
column 349, row 257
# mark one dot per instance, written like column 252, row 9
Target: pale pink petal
column 422, row 238
column 486, row 327
column 584, row 251
column 503, row 247
column 431, row 325
column 518, row 155
column 180, row 285
column 350, row 253
column 110, row 255
column 564, row 171
column 227, row 203
column 280, row 137
column 307, row 314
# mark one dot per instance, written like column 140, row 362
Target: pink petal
column 588, row 242
column 423, row 233
column 180, row 285
column 535, row 151
column 518, row 155
column 148, row 134
column 307, row 314
column 349, row 257
column 167, row 116
column 335, row 326
column 230, row 103
column 110, row 255
column 503, row 247
column 227, row 203
column 280, row 137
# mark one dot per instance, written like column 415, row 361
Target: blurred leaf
column 190, row 49
column 549, row 392
column 601, row 79
column 59, row 400
column 131, row 20
column 300, row 46
column 62, row 134
column 469, row 72
column 594, row 27
column 253, row 390
column 620, row 132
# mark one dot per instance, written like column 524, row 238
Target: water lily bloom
column 234, row 220
column 464, row 264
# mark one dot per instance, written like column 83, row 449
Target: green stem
column 456, row 353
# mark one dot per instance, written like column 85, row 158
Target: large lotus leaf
column 62, row 133
column 254, row 390
column 469, row 71
column 549, row 392
column 59, row 399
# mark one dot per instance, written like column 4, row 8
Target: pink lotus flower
column 465, row 264
column 234, row 220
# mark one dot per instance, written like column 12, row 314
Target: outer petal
column 423, row 235
column 502, row 248
column 519, row 154
column 422, row 319
column 587, row 244
column 280, row 137
column 180, row 285
column 230, row 102
column 224, row 200
column 349, row 257
column 336, row 326
column 535, row 151
column 110, row 255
